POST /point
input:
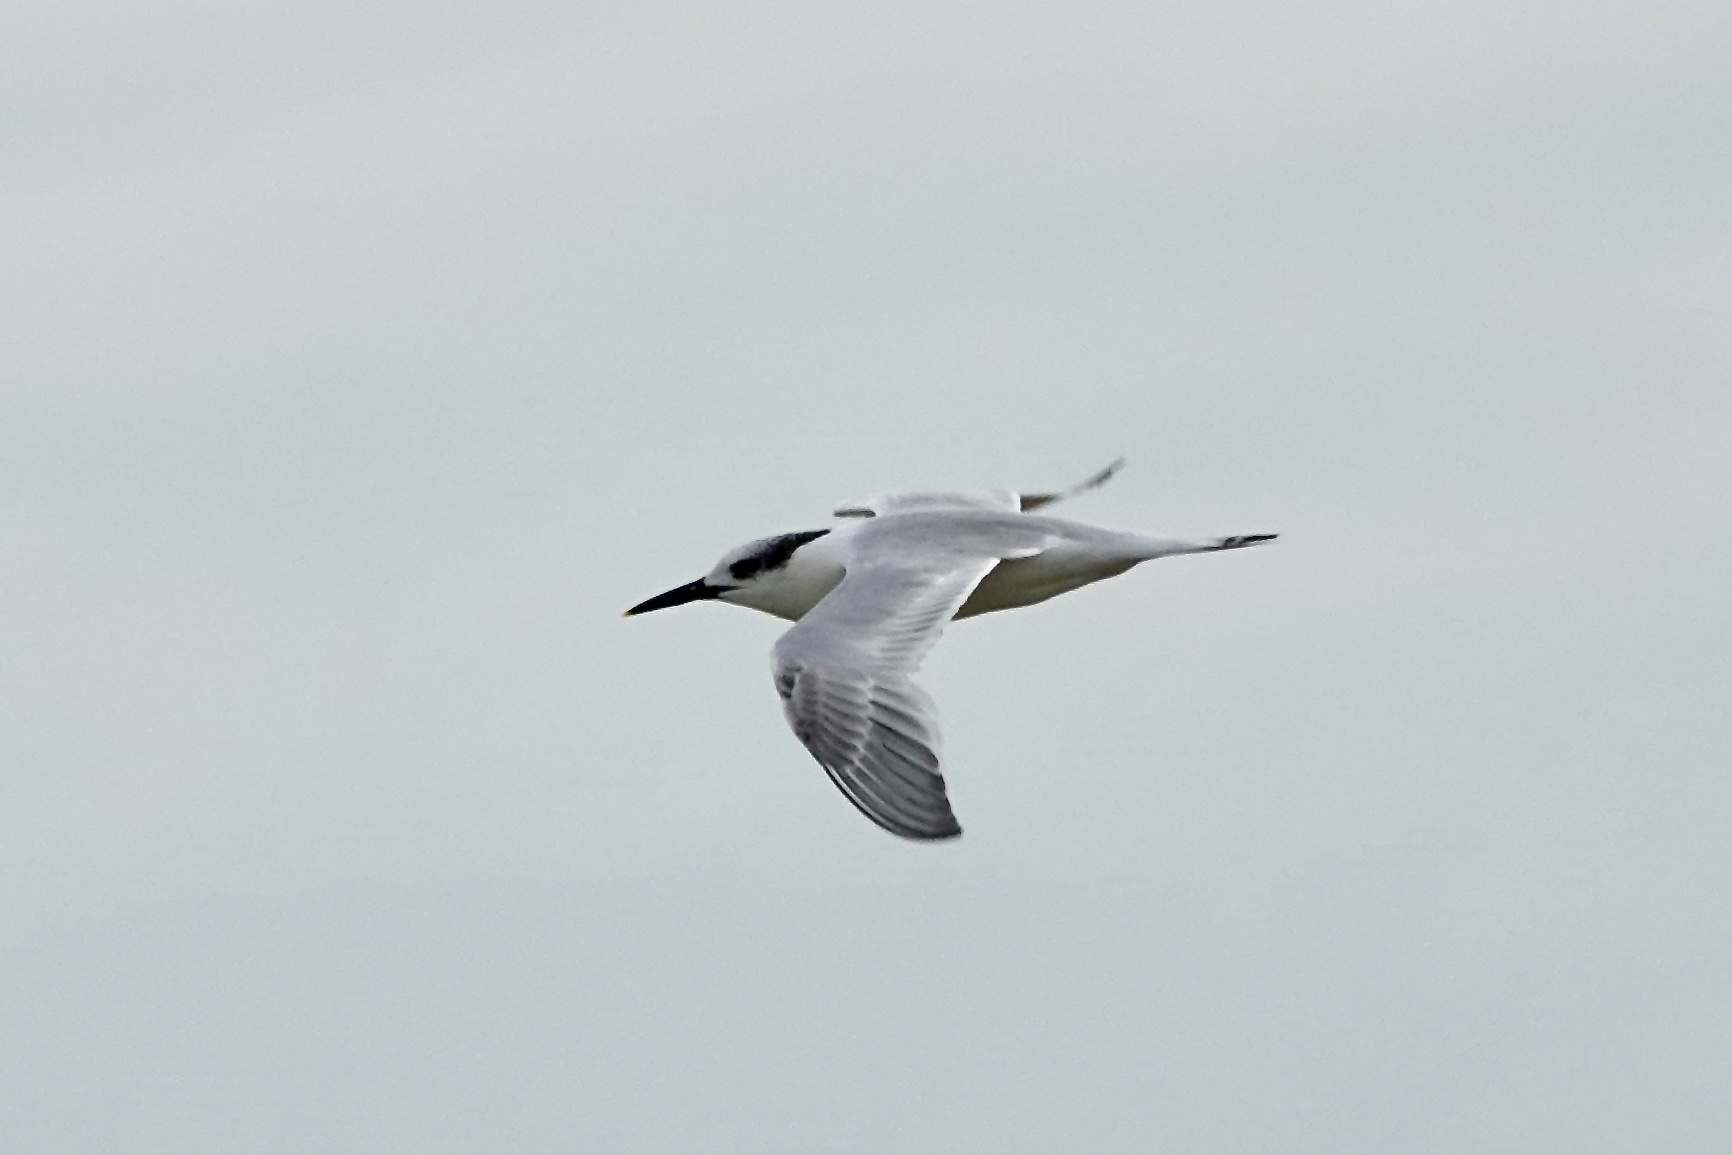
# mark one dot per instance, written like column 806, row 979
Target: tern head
column 761, row 575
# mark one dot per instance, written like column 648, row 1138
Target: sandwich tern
column 869, row 597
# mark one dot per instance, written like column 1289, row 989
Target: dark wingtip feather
column 1246, row 539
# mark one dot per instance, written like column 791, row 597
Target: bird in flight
column 870, row 595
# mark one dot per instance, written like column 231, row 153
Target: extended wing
column 1033, row 501
column 844, row 671
column 1000, row 500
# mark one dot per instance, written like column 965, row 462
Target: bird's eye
column 744, row 568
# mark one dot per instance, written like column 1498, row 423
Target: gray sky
column 360, row 366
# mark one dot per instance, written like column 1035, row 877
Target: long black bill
column 690, row 592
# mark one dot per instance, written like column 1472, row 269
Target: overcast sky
column 360, row 363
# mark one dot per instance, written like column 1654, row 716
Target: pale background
column 361, row 363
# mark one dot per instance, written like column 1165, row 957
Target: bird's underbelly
column 1026, row 581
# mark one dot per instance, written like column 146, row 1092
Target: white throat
column 790, row 591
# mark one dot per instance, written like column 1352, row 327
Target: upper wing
column 1000, row 500
column 1030, row 502
column 843, row 670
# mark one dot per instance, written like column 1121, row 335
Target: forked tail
column 1242, row 541
column 1144, row 548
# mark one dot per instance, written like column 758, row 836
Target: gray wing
column 998, row 500
column 1030, row 502
column 1001, row 500
column 844, row 670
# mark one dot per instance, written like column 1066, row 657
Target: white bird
column 870, row 597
